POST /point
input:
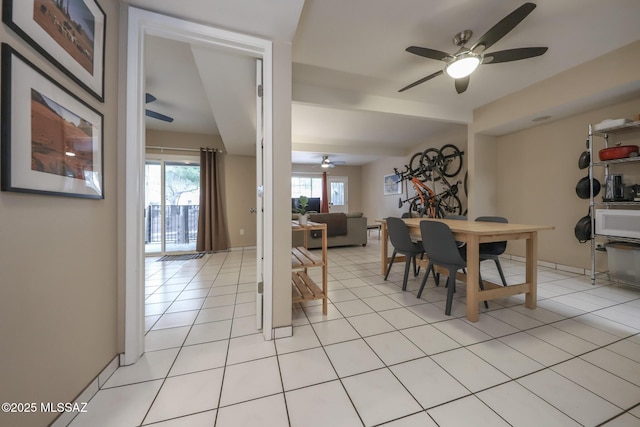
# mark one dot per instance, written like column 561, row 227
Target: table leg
column 532, row 271
column 473, row 277
column 385, row 240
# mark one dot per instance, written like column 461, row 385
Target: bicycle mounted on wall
column 433, row 165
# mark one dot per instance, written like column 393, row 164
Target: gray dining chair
column 493, row 250
column 440, row 247
column 402, row 244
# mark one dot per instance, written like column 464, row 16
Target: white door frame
column 142, row 23
column 259, row 198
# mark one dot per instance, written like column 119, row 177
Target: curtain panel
column 212, row 224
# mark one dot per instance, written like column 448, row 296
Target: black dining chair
column 493, row 250
column 440, row 247
column 402, row 244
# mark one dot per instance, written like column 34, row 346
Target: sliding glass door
column 172, row 200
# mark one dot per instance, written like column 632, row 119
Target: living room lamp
column 463, row 65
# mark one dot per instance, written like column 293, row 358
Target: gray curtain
column 212, row 224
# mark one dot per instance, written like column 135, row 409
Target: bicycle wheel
column 450, row 160
column 449, row 204
column 428, row 161
column 415, row 167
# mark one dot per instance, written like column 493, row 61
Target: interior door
column 338, row 193
column 259, row 197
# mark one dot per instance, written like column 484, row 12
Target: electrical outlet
column 242, row 231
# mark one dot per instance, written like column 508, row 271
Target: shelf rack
column 623, row 129
column 303, row 288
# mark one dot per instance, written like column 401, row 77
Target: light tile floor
column 380, row 357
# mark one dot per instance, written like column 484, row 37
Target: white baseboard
column 87, row 394
column 553, row 265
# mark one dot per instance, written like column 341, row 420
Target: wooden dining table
column 473, row 233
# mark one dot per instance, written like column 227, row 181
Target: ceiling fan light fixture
column 463, row 66
column 325, row 165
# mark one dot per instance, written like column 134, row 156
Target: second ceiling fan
column 328, row 163
column 461, row 64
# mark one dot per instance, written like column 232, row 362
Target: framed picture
column 392, row 184
column 52, row 141
column 69, row 33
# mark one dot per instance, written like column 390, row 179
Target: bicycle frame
column 423, row 189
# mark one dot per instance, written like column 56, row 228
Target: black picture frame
column 51, row 141
column 69, row 33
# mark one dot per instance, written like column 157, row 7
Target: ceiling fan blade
column 513, row 54
column 462, row 84
column 428, row 53
column 499, row 30
column 149, row 98
column 422, row 80
column 158, row 116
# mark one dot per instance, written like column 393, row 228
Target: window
column 306, row 186
column 337, row 193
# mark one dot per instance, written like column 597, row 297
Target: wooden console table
column 303, row 288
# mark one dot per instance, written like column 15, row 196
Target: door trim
column 131, row 183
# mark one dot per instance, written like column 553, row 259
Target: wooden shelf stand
column 303, row 288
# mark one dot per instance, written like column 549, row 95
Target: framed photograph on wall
column 392, row 184
column 69, row 33
column 52, row 141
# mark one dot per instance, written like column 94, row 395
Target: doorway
column 140, row 24
column 338, row 193
column 172, row 202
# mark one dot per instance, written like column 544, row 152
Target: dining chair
column 493, row 250
column 402, row 244
column 440, row 247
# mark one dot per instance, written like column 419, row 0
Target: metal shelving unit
column 623, row 129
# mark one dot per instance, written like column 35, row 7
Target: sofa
column 342, row 230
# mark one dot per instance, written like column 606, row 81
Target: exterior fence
column 181, row 224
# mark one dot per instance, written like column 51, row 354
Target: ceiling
column 349, row 61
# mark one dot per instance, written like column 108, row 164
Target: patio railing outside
column 181, row 226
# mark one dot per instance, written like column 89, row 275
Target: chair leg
column 407, row 265
column 451, row 289
column 393, row 257
column 497, row 261
column 415, row 267
column 416, row 271
column 424, row 280
column 486, row 304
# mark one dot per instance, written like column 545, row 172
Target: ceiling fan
column 150, row 98
column 328, row 163
column 461, row 64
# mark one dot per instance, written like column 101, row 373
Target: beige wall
column 537, row 174
column 58, row 269
column 156, row 138
column 376, row 205
column 280, row 226
column 515, row 176
column 240, row 196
